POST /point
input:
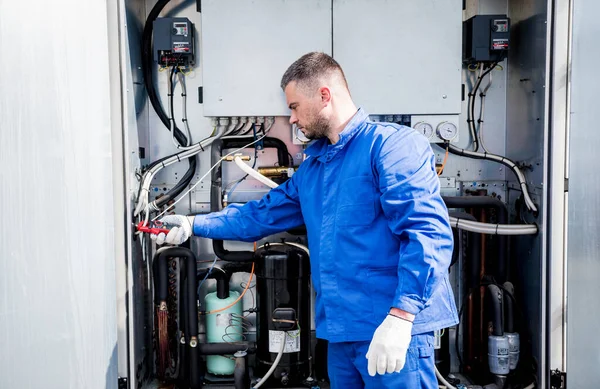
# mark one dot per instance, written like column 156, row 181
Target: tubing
column 274, row 366
column 241, row 379
column 501, row 211
column 248, row 170
column 496, row 300
column 509, row 321
column 442, row 380
column 500, row 159
column 494, row 229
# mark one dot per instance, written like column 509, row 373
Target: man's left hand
column 387, row 351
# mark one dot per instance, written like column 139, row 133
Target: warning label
column 292, row 341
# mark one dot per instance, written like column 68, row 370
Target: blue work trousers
column 347, row 365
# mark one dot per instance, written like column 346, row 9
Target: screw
column 444, row 97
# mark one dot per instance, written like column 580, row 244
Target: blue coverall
column 378, row 235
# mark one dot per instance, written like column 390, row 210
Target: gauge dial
column 447, row 131
column 300, row 137
column 425, row 129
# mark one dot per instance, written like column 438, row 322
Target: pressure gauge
column 447, row 131
column 425, row 129
column 298, row 135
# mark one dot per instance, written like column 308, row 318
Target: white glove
column 387, row 351
column 180, row 229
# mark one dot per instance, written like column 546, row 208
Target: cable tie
column 163, row 164
column 497, row 228
column 177, row 155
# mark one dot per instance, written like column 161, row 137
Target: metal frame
column 555, row 241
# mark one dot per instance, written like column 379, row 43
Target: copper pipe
column 468, row 336
column 273, row 171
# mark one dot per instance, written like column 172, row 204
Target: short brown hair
column 309, row 68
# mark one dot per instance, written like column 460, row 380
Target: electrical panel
column 173, row 40
column 486, row 38
column 400, row 56
column 248, row 45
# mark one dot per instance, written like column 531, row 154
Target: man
column 378, row 233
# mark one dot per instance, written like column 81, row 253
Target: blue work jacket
column 378, row 230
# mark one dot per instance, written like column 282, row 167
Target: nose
column 293, row 118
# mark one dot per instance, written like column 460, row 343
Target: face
column 307, row 112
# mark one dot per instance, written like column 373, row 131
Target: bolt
column 299, row 156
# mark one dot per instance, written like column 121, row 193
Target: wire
column 482, row 96
column 471, row 103
column 210, row 170
column 442, row 380
column 207, row 274
column 445, row 160
column 275, row 363
column 239, row 298
column 471, row 116
column 181, row 77
column 503, row 160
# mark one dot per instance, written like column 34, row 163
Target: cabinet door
column 400, row 57
column 248, row 44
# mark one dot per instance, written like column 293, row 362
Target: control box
column 173, row 42
column 486, row 38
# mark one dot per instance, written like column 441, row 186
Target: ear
column 325, row 94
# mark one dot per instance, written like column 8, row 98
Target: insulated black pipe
column 160, row 277
column 241, row 378
column 238, row 267
column 496, row 301
column 221, row 276
column 222, row 348
column 502, row 212
column 509, row 320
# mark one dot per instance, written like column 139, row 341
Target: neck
column 339, row 121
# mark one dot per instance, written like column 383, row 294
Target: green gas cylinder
column 222, row 327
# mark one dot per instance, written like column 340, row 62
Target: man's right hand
column 181, row 228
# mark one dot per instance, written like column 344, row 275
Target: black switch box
column 486, row 38
column 173, row 40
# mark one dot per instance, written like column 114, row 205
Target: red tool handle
column 142, row 227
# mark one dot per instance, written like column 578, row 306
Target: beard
column 318, row 128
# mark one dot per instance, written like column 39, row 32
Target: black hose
column 502, row 212
column 474, row 253
column 496, row 298
column 509, row 318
